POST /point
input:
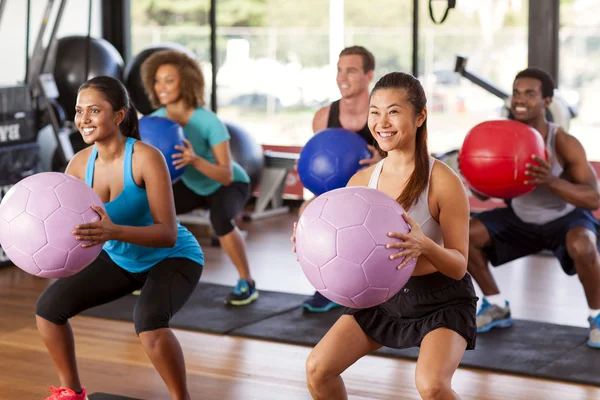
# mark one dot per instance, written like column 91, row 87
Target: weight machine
column 559, row 110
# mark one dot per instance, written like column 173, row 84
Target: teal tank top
column 131, row 208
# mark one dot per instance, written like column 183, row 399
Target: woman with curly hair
column 174, row 84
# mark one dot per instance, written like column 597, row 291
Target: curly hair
column 192, row 79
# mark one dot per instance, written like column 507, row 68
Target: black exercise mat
column 528, row 348
column 296, row 327
column 205, row 310
column 107, row 396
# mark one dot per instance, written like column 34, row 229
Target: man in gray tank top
column 555, row 216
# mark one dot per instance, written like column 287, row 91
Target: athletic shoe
column 319, row 303
column 493, row 316
column 243, row 293
column 594, row 339
column 66, row 394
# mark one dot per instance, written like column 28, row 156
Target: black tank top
column 334, row 122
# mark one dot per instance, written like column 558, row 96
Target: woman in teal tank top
column 212, row 180
column 144, row 247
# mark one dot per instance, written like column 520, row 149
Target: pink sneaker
column 66, row 394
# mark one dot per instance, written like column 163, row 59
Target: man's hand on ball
column 375, row 157
column 540, row 172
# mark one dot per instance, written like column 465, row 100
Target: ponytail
column 129, row 127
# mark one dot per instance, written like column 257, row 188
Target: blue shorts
column 512, row 238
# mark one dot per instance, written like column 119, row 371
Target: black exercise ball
column 247, row 152
column 76, row 142
column 132, row 76
column 72, row 61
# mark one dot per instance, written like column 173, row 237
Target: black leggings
column 225, row 204
column 165, row 289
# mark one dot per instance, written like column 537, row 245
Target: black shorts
column 165, row 289
column 426, row 303
column 225, row 204
column 512, row 238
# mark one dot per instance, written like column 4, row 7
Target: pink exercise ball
column 37, row 218
column 340, row 243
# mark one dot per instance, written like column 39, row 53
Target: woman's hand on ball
column 96, row 232
column 186, row 157
column 541, row 173
column 412, row 244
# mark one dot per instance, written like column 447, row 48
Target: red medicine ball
column 494, row 154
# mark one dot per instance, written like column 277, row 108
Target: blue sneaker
column 243, row 293
column 319, row 303
column 493, row 316
column 594, row 339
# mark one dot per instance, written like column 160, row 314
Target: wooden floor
column 221, row 367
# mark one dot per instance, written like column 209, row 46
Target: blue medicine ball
column 163, row 134
column 330, row 158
